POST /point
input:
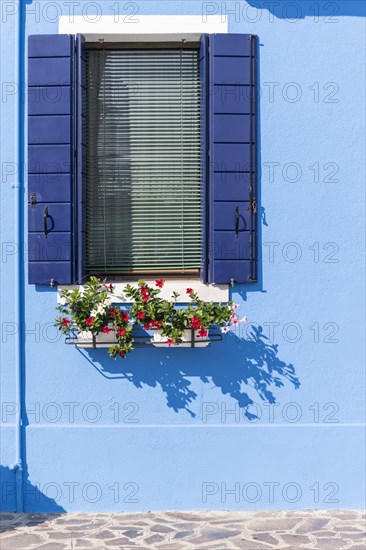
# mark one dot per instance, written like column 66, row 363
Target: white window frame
column 143, row 28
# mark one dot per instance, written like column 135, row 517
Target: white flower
column 244, row 319
column 93, row 313
column 107, row 302
column 236, row 307
column 224, row 330
column 62, row 300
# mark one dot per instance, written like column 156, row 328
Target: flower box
column 89, row 320
column 190, row 340
column 87, row 339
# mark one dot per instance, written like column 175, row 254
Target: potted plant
column 89, row 314
column 172, row 325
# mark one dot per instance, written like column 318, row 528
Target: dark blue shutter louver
column 229, row 110
column 52, row 159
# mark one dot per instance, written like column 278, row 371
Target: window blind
column 143, row 203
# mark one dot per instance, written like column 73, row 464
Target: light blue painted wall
column 163, row 438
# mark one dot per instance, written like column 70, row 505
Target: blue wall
column 155, row 431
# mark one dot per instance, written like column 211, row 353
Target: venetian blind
column 143, row 160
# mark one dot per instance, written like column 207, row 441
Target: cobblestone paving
column 323, row 530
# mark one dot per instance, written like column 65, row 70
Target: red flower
column 145, row 293
column 196, row 323
column 89, row 321
column 106, row 330
column 147, row 326
column 113, row 311
column 121, row 332
column 202, row 332
column 122, row 353
column 110, row 287
column 159, row 283
column 141, row 315
column 189, row 290
column 169, row 341
column 65, row 321
column 124, row 316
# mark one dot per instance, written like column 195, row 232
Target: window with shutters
column 142, row 158
column 143, row 203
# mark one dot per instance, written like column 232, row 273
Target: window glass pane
column 143, row 160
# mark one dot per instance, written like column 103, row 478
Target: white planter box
column 159, row 340
column 85, row 340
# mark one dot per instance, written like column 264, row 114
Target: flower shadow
column 244, row 368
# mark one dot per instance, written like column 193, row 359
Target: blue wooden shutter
column 52, row 166
column 231, row 172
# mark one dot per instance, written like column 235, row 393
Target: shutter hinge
column 232, row 282
column 253, row 205
column 32, row 200
column 52, row 283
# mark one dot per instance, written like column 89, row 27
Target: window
column 142, row 159
column 143, row 206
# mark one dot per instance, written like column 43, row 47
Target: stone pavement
column 323, row 530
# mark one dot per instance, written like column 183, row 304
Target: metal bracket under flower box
column 141, row 337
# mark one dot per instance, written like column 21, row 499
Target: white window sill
column 207, row 292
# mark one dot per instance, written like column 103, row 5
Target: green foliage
column 89, row 310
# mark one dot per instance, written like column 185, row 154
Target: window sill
column 207, row 292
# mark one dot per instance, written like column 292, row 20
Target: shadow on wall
column 33, row 499
column 238, row 367
column 324, row 11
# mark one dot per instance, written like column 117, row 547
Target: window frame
column 190, row 274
